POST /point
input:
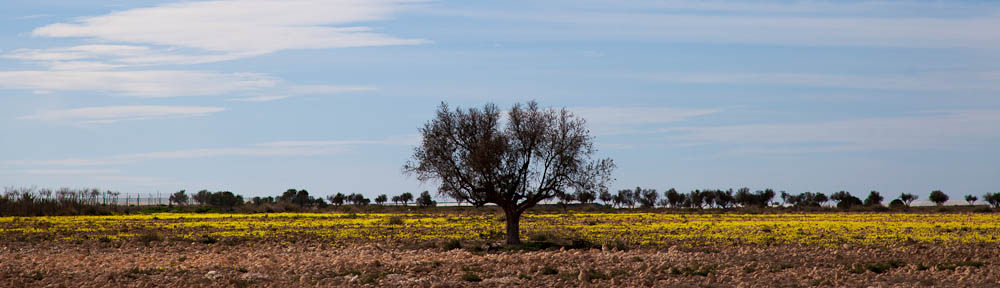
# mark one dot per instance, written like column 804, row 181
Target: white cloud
column 399, row 141
column 303, row 90
column 626, row 120
column 259, row 98
column 784, row 23
column 926, row 130
column 938, row 82
column 33, row 16
column 122, row 55
column 136, row 180
column 143, row 83
column 69, row 171
column 267, row 149
column 233, row 29
column 327, row 89
column 76, row 52
column 111, row 114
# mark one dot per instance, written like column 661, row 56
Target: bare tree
column 537, row 154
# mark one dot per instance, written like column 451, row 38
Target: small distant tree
column 820, row 198
column 302, row 198
column 179, row 197
column 938, row 197
column 874, row 199
column 724, row 199
column 224, row 199
column 649, row 197
column 358, row 199
column 806, row 199
column 202, row 197
column 337, row 199
column 380, row 199
column 897, row 204
column 759, row 198
column 406, row 198
column 695, row 199
column 585, row 196
column 396, row 200
column 663, row 202
column 625, row 197
column 845, row 200
column 565, row 199
column 708, row 196
column 288, row 195
column 992, row 199
column 908, row 198
column 971, row 199
column 637, row 195
column 673, row 198
column 257, row 201
column 606, row 196
column 425, row 200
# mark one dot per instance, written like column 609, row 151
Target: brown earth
column 188, row 264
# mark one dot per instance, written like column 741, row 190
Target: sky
column 257, row 97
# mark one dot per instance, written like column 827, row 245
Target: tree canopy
column 531, row 155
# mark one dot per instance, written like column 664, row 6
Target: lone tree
column 938, row 197
column 874, row 199
column 180, row 197
column 406, row 198
column 533, row 155
column 908, row 198
column 992, row 199
column 971, row 199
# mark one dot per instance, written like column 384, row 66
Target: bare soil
column 191, row 264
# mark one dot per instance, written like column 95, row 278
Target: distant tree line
column 743, row 197
column 65, row 201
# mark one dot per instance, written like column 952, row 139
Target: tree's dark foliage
column 533, row 155
column 874, row 199
column 938, row 197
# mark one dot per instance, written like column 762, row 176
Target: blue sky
column 259, row 96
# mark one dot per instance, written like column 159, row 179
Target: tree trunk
column 513, row 226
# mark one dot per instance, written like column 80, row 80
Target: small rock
column 212, row 275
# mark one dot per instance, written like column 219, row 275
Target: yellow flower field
column 645, row 229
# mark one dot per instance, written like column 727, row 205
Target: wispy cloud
column 32, row 16
column 259, row 98
column 800, row 23
column 327, row 89
column 304, row 90
column 143, row 83
column 111, row 114
column 267, row 149
column 235, row 29
column 934, row 82
column 628, row 120
column 69, row 171
column 926, row 130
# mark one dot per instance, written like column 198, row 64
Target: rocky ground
column 189, row 264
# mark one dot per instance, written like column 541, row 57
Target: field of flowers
column 633, row 229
